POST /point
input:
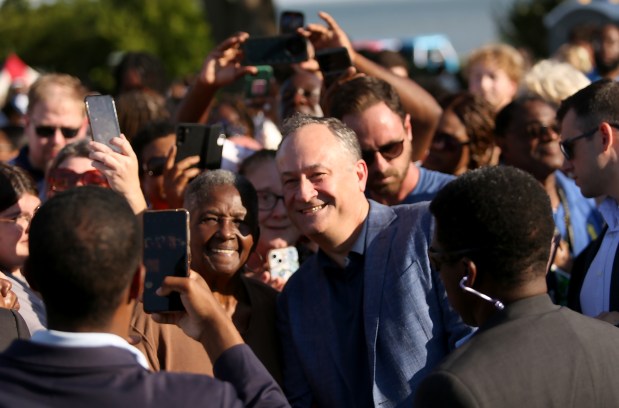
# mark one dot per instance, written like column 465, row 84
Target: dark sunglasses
column 389, row 152
column 64, row 179
column 447, row 142
column 155, row 166
column 567, row 146
column 50, row 131
column 537, row 130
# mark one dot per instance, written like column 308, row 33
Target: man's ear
column 470, row 272
column 137, row 283
column 361, row 169
column 608, row 136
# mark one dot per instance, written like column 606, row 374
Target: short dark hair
column 593, row 104
column 200, row 188
column 149, row 133
column 355, row 96
column 256, row 159
column 506, row 116
column 504, row 215
column 477, row 116
column 85, row 246
column 14, row 183
column 76, row 149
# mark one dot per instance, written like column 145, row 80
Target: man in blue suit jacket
column 365, row 319
column 85, row 260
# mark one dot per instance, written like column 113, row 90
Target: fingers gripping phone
column 166, row 252
column 200, row 140
column 283, row 262
column 103, row 120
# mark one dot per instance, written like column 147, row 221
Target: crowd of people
column 451, row 247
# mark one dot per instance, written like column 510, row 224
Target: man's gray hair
column 344, row 135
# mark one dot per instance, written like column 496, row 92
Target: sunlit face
column 376, row 127
column 74, row 172
column 153, row 162
column 14, row 227
column 221, row 239
column 492, row 83
column 302, row 94
column 450, row 151
column 57, row 111
column 531, row 142
column 588, row 165
column 276, row 229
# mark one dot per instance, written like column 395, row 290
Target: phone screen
column 333, row 63
column 283, row 262
column 166, row 252
column 103, row 120
column 289, row 21
column 257, row 86
column 280, row 49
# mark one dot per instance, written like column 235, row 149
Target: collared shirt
column 429, row 184
column 595, row 292
column 346, row 298
column 87, row 340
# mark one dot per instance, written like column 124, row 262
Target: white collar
column 78, row 339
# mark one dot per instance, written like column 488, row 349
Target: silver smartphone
column 103, row 120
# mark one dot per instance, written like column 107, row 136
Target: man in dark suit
column 590, row 142
column 85, row 260
column 491, row 245
column 365, row 319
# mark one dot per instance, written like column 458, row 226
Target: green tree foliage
column 523, row 25
column 81, row 37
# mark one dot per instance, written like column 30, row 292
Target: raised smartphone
column 103, row 120
column 283, row 262
column 166, row 252
column 193, row 139
column 333, row 63
column 290, row 20
column 280, row 49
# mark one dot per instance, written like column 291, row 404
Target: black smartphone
column 166, row 252
column 258, row 86
column 193, row 139
column 103, row 120
column 333, row 63
column 290, row 20
column 280, row 49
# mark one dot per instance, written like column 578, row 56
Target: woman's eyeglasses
column 447, row 142
column 155, row 166
column 64, row 179
column 267, row 200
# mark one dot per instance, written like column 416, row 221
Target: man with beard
column 606, row 53
column 528, row 135
column 372, row 108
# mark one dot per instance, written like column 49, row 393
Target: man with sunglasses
column 491, row 247
column 373, row 109
column 589, row 141
column 55, row 117
column 528, row 135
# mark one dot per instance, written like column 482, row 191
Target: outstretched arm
column 417, row 102
column 221, row 67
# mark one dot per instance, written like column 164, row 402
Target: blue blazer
column 409, row 326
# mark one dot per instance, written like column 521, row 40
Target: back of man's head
column 355, row 96
column 85, row 246
column 593, row 104
column 503, row 216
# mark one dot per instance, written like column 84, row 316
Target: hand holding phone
column 281, row 49
column 166, row 253
column 103, row 120
column 200, row 140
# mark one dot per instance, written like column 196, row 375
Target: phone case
column 200, row 140
column 283, row 262
column 281, row 49
column 103, row 120
column 333, row 63
column 166, row 252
